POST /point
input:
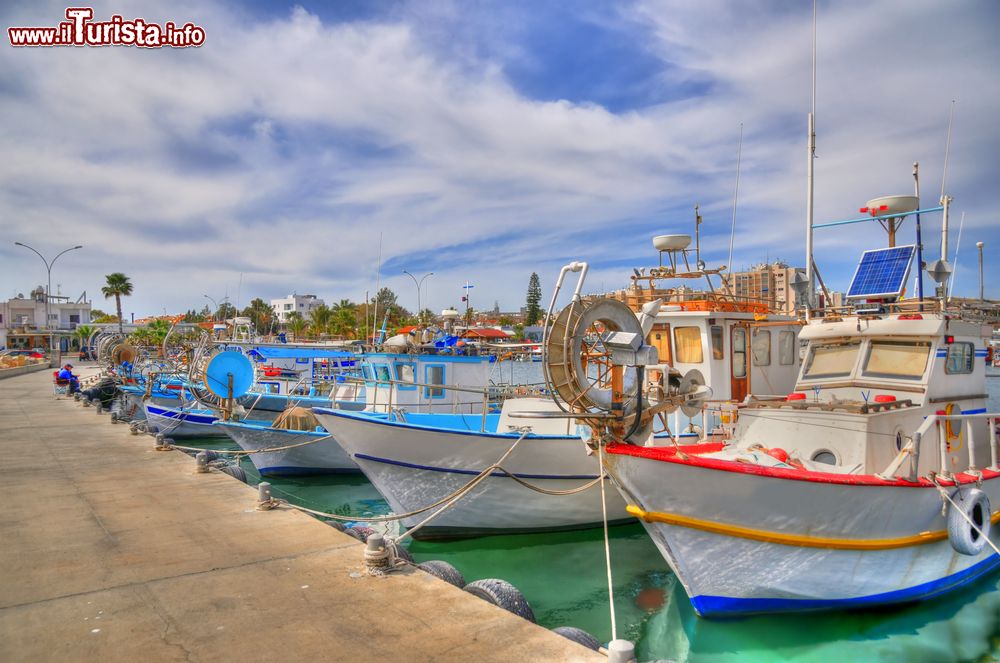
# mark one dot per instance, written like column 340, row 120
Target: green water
column 563, row 577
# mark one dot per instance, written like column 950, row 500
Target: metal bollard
column 621, row 651
column 264, row 500
column 201, row 460
column 100, row 408
column 375, row 542
column 114, row 417
column 161, row 442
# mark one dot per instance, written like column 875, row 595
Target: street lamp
column 216, row 304
column 980, row 245
column 418, row 284
column 48, row 288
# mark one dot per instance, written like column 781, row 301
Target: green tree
column 260, row 313
column 426, row 316
column 226, row 311
column 296, row 324
column 533, row 312
column 319, row 319
column 387, row 305
column 193, row 316
column 518, row 332
column 118, row 286
column 344, row 319
column 82, row 333
column 505, row 321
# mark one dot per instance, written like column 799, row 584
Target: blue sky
column 482, row 141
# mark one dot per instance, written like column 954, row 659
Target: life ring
column 952, row 428
column 975, row 505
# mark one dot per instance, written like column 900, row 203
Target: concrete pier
column 112, row 551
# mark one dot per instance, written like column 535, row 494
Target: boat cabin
column 866, row 385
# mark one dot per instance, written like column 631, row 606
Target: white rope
column 243, row 452
column 607, row 546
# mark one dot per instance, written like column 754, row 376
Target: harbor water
column 562, row 575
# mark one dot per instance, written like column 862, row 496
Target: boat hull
column 414, row 466
column 742, row 542
column 178, row 423
column 319, row 454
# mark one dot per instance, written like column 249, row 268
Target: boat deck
column 113, row 551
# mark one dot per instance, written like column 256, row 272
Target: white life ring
column 976, row 506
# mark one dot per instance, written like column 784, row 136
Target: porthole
column 825, row 457
column 899, row 440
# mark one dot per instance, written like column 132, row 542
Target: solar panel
column 882, row 273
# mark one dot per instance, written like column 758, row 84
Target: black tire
column 502, row 594
column 360, row 532
column 210, row 456
column 236, row 472
column 443, row 571
column 579, row 636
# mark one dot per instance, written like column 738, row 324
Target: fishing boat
column 293, row 444
column 871, row 482
column 417, row 458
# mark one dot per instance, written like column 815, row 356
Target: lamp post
column 48, row 287
column 216, row 304
column 980, row 245
column 418, row 284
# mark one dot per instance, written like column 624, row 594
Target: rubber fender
column 502, row 594
column 963, row 537
column 210, row 455
column 236, row 472
column 443, row 571
column 579, row 636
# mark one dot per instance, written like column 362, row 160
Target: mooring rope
column 243, row 452
column 607, row 545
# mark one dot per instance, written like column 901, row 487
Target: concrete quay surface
column 112, row 551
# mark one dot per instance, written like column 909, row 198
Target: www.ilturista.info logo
column 80, row 30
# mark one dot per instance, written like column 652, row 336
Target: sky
column 484, row 141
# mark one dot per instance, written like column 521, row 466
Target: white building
column 301, row 303
column 22, row 318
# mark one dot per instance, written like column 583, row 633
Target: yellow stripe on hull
column 791, row 539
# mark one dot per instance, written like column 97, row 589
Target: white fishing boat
column 297, row 445
column 870, row 483
column 831, row 498
column 415, row 459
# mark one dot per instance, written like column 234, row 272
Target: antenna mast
column 810, row 178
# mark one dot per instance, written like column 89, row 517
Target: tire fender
column 963, row 537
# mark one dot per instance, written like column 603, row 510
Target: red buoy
column 885, row 398
column 796, row 396
column 778, row 454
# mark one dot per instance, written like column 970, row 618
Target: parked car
column 34, row 354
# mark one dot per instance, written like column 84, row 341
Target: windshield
column 831, row 360
column 898, row 360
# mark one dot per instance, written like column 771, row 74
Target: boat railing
column 938, row 428
column 394, row 385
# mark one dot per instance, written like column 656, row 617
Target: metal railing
column 912, row 449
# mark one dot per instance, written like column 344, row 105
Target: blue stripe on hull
column 720, row 606
column 451, row 470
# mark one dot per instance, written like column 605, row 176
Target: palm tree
column 117, row 285
column 260, row 313
column 82, row 334
column 319, row 319
column 296, row 324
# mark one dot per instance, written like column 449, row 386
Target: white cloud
column 283, row 147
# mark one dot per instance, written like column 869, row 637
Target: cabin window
column 897, row 360
column 405, row 373
column 382, row 373
column 367, row 371
column 687, row 345
column 761, row 346
column 831, row 360
column 739, row 352
column 786, row 348
column 960, row 358
column 717, row 342
column 434, row 374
